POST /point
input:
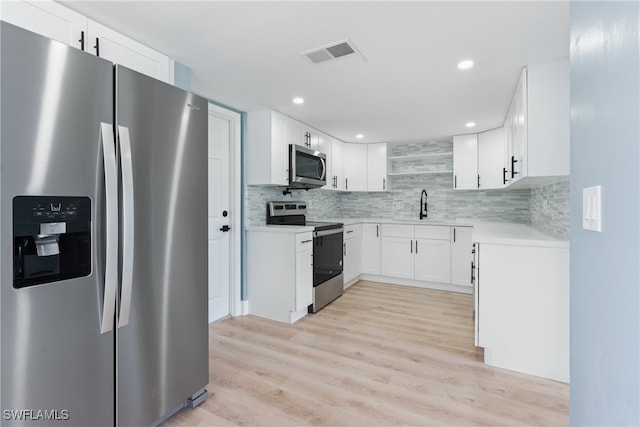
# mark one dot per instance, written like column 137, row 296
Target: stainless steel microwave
column 307, row 167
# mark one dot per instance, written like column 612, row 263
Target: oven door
column 307, row 168
column 327, row 255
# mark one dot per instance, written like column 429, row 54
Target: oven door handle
column 327, row 232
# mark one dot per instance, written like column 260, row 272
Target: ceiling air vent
column 332, row 52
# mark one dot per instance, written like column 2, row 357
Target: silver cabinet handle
column 111, row 238
column 377, row 231
column 412, row 246
column 384, row 183
column 126, row 166
column 416, row 246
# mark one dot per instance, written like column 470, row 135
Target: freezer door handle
column 126, row 166
column 111, row 238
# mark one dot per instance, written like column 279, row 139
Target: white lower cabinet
column 352, row 253
column 279, row 274
column 418, row 252
column 432, row 260
column 397, row 256
column 461, row 256
column 371, row 249
column 304, row 272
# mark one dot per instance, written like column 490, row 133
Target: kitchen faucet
column 423, row 204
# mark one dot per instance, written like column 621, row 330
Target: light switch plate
column 592, row 208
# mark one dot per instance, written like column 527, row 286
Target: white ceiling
column 247, row 55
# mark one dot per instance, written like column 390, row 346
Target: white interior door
column 219, row 217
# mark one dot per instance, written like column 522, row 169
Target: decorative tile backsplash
column 403, row 199
column 554, row 219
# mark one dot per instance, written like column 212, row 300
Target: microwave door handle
column 324, row 168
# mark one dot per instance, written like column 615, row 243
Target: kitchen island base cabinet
column 279, row 274
column 523, row 319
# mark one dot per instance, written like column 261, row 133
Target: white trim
column 236, row 307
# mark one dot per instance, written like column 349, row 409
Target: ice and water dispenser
column 51, row 239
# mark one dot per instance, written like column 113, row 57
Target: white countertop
column 505, row 233
column 294, row 229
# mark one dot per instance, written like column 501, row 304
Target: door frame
column 235, row 202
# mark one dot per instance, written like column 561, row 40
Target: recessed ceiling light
column 298, row 100
column 465, row 65
column 470, row 124
column 359, row 136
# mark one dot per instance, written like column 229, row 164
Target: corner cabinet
column 355, row 167
column 377, row 167
column 465, row 162
column 279, row 274
column 52, row 20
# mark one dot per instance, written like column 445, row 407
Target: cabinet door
column 279, row 151
column 48, row 19
column 355, row 167
column 397, row 257
column 491, row 158
column 295, row 133
column 304, row 279
column 324, row 146
column 115, row 47
column 465, row 162
column 337, row 164
column 313, row 140
column 519, row 137
column 377, row 167
column 461, row 256
column 371, row 249
column 432, row 260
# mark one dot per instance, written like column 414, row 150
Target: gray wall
column 605, row 273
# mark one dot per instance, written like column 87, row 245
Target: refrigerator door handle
column 111, row 238
column 126, row 165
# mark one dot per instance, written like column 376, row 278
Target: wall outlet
column 592, row 208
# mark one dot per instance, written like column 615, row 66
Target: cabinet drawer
column 438, row 232
column 304, row 241
column 397, row 230
column 351, row 231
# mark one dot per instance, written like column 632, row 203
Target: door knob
column 225, row 228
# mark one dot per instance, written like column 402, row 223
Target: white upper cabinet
column 325, row 146
column 491, row 146
column 465, row 162
column 538, row 121
column 548, row 119
column 59, row 23
column 267, row 151
column 295, row 133
column 355, row 167
column 48, row 19
column 377, row 167
column 115, row 47
column 337, row 164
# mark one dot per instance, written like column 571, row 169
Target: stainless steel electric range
column 328, row 281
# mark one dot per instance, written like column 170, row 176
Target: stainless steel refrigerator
column 103, row 242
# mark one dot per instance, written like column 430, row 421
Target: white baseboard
column 418, row 284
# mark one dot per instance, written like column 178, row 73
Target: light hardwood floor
column 380, row 355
